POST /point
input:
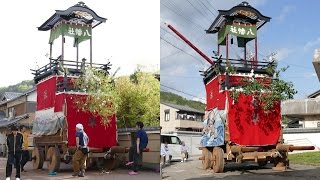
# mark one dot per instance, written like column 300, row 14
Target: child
column 164, row 152
column 184, row 152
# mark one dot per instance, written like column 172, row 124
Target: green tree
column 139, row 97
column 132, row 98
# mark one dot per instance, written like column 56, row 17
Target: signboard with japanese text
column 79, row 32
column 241, row 31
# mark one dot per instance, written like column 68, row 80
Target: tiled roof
column 10, row 95
column 182, row 108
column 5, row 122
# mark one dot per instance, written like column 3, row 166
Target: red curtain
column 215, row 96
column 59, row 101
column 211, row 91
column 46, row 92
column 249, row 125
column 99, row 135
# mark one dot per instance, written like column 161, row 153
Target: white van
column 174, row 145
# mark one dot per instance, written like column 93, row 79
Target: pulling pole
column 190, row 44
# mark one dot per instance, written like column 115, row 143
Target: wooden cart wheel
column 206, row 158
column 218, row 160
column 37, row 158
column 53, row 158
column 110, row 164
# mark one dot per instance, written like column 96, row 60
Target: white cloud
column 283, row 53
column 285, row 11
column 311, row 44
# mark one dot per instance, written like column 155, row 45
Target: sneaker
column 17, row 178
column 133, row 173
column 75, row 174
column 181, row 160
column 129, row 163
column 7, row 178
column 52, row 173
column 81, row 174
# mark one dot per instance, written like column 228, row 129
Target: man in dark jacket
column 14, row 143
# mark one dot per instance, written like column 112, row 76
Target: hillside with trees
column 20, row 87
column 176, row 99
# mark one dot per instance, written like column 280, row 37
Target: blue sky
column 293, row 33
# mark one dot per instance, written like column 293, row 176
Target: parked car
column 174, row 145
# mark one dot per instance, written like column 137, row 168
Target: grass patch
column 310, row 158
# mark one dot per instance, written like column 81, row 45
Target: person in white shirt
column 164, row 153
column 184, row 152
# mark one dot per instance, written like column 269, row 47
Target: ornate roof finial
column 80, row 3
column 244, row 3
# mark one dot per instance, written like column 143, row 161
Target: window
column 12, row 112
column 175, row 140
column 166, row 115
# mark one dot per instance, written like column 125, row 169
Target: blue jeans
column 135, row 157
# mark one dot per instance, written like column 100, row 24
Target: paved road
column 66, row 172
column 192, row 170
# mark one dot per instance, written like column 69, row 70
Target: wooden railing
column 66, row 67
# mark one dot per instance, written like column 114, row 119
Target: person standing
column 184, row 152
column 25, row 152
column 14, row 144
column 81, row 154
column 135, row 152
column 164, row 153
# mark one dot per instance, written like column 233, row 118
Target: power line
column 181, row 50
column 181, row 92
column 212, row 6
column 181, row 15
column 198, row 11
column 177, row 52
column 207, row 8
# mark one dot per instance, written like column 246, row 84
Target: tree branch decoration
column 267, row 91
column 102, row 99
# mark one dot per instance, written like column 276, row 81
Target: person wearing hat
column 81, row 154
column 14, row 144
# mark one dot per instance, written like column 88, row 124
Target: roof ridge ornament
column 244, row 3
column 81, row 3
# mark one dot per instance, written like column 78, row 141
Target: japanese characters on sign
column 80, row 33
column 75, row 31
column 242, row 31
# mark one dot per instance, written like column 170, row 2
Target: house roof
column 14, row 95
column 5, row 122
column 182, row 108
column 10, row 95
column 315, row 94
